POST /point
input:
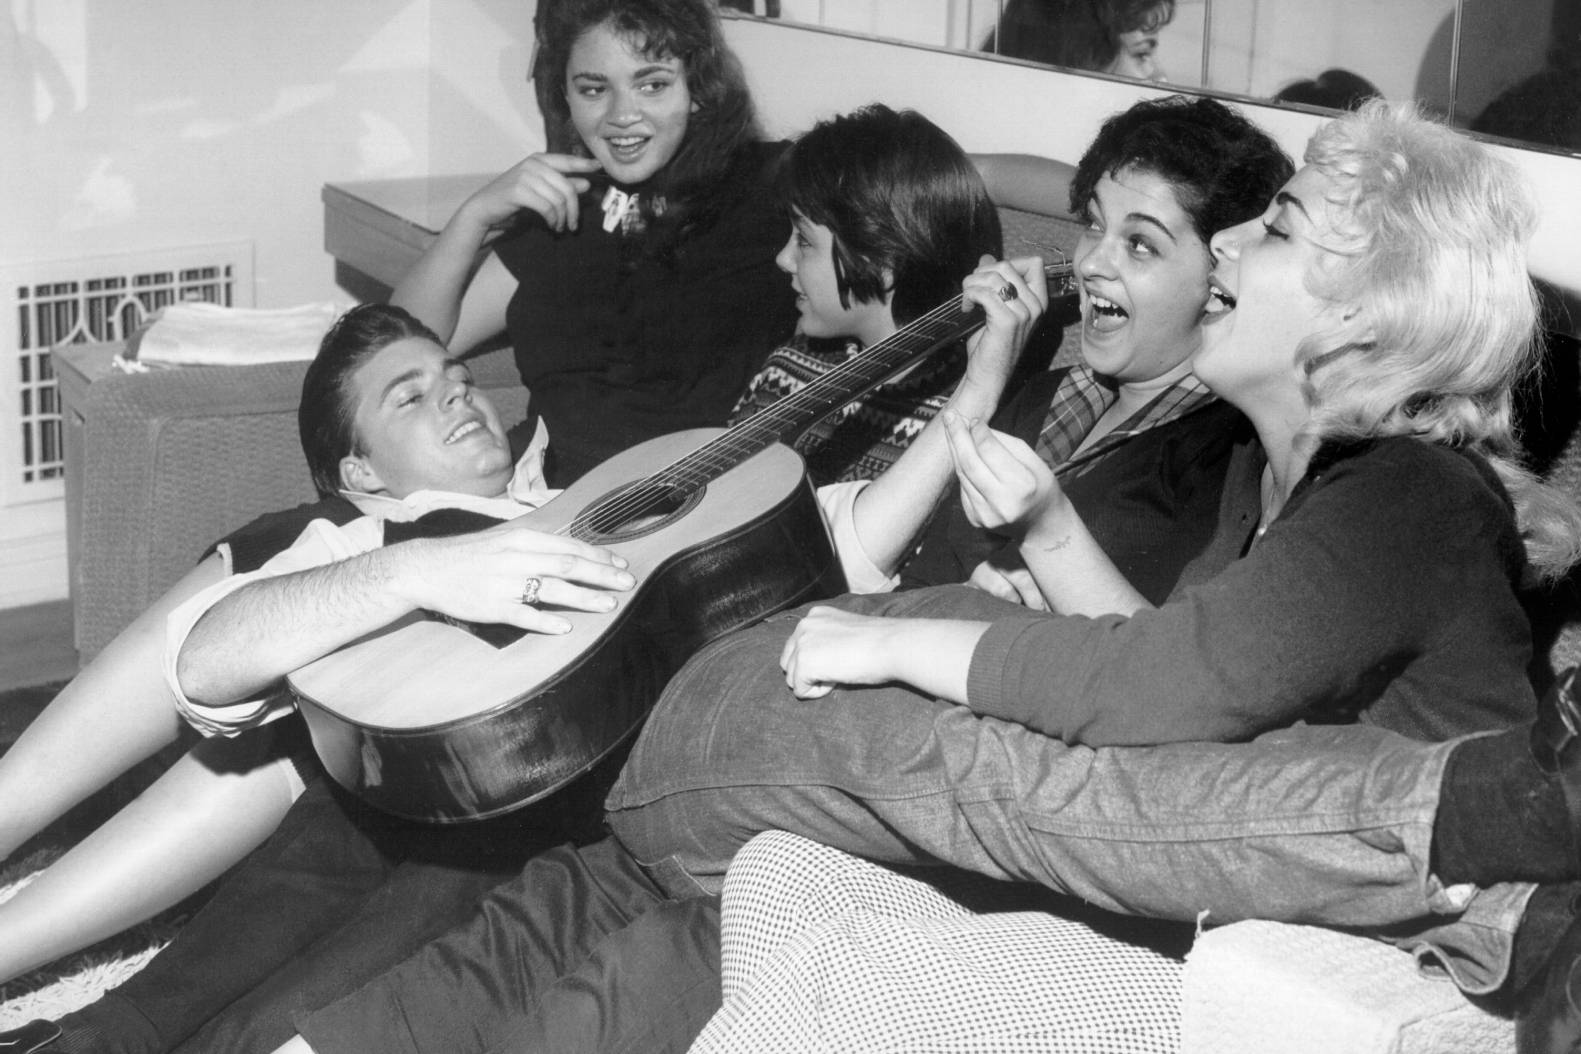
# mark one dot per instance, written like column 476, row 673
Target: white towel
column 198, row 333
column 1255, row 987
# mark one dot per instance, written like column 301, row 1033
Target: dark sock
column 1501, row 818
column 1548, row 914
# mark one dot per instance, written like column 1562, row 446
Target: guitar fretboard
column 784, row 421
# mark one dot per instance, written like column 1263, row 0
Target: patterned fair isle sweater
column 865, row 437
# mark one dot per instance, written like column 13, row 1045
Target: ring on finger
column 530, row 591
column 1007, row 292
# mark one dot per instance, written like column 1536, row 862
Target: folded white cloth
column 1253, row 986
column 198, row 333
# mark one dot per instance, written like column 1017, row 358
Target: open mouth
column 463, row 430
column 626, row 148
column 1104, row 315
column 1220, row 301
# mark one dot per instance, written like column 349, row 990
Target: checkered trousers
column 824, row 952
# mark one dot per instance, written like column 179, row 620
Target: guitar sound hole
column 621, row 515
column 633, row 511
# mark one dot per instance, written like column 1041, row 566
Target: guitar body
column 427, row 720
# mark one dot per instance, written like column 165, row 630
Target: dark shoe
column 34, row 1037
column 1556, row 744
column 1548, row 1008
column 1509, row 805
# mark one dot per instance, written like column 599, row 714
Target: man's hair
column 326, row 415
column 898, row 194
column 1224, row 169
column 723, row 123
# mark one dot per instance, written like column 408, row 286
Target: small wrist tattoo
column 1054, row 546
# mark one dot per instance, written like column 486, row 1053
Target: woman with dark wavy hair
column 633, row 272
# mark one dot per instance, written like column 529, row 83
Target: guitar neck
column 788, row 418
column 791, row 416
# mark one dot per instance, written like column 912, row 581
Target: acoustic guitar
column 445, row 723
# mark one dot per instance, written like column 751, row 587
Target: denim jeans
column 1323, row 825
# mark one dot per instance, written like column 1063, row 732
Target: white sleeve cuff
column 838, row 502
column 214, row 720
column 320, row 543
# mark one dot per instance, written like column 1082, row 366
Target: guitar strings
column 757, row 431
column 919, row 337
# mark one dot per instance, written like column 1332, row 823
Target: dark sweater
column 1384, row 592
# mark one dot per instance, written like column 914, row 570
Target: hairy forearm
column 253, row 637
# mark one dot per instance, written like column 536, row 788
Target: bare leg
column 215, row 805
column 113, row 714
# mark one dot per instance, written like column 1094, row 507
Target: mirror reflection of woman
column 1109, row 36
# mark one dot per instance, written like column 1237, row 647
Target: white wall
column 172, row 122
column 482, row 117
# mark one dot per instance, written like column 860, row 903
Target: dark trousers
column 336, row 896
column 579, row 952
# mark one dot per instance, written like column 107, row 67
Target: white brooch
column 620, row 210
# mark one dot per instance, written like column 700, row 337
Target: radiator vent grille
column 82, row 301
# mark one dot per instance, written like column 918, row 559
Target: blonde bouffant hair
column 1432, row 256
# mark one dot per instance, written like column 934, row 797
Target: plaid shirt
column 1081, row 399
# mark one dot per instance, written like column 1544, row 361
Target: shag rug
column 79, row 979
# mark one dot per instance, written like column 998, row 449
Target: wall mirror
column 1510, row 68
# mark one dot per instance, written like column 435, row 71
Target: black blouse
column 618, row 344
